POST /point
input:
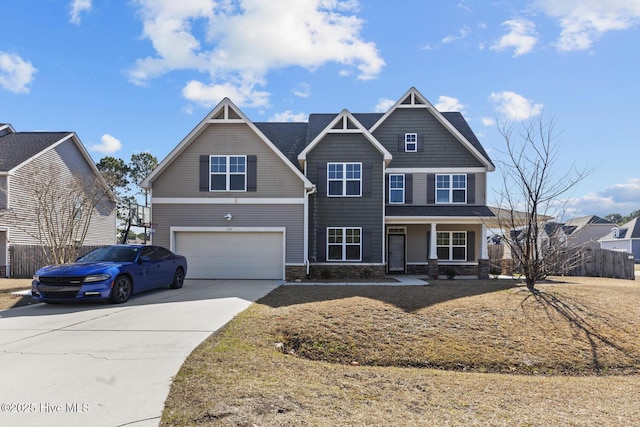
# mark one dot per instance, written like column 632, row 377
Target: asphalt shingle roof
column 18, row 147
column 444, row 210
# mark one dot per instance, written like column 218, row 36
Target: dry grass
column 7, row 286
column 363, row 355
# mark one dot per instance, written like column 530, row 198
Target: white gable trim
column 224, row 112
column 341, row 124
column 419, row 101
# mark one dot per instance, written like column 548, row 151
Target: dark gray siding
column 437, row 146
column 365, row 211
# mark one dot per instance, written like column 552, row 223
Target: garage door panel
column 232, row 255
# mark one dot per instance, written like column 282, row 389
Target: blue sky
column 133, row 76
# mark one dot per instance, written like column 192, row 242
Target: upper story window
column 228, row 173
column 410, row 142
column 344, row 179
column 451, row 188
column 396, row 188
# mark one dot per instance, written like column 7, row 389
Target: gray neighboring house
column 586, row 230
column 624, row 238
column 20, row 154
column 341, row 195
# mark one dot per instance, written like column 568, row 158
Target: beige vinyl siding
column 274, row 177
column 67, row 160
column 196, row 215
column 417, row 243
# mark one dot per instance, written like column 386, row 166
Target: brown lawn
column 453, row 353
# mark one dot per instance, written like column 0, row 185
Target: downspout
column 307, row 193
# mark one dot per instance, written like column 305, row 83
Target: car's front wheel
column 178, row 279
column 121, row 290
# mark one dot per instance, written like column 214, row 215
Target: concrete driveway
column 109, row 365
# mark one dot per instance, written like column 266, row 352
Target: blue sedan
column 111, row 273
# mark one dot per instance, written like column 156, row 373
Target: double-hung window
column 228, row 173
column 410, row 142
column 396, row 188
column 344, row 244
column 451, row 188
column 452, row 245
column 344, row 179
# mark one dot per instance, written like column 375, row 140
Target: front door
column 396, row 255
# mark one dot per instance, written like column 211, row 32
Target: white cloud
column 239, row 48
column 240, row 93
column 384, row 104
column 77, row 8
column 448, row 103
column 584, row 21
column 521, row 37
column 488, row 121
column 464, row 32
column 619, row 198
column 16, row 74
column 515, row 106
column 289, row 116
column 303, row 90
column 108, row 145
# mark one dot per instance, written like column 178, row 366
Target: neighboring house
column 22, row 154
column 625, row 238
column 585, row 231
column 341, row 195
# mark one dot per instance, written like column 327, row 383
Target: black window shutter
column 321, row 245
column 431, row 188
column 366, row 245
column 321, row 185
column 366, row 179
column 420, row 143
column 471, row 189
column 252, row 173
column 471, row 246
column 386, row 187
column 204, row 173
column 408, row 189
column 401, row 145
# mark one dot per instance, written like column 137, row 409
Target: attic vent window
column 616, row 232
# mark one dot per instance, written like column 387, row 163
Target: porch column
column 433, row 252
column 484, row 267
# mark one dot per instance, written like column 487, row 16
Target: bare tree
column 63, row 206
column 532, row 194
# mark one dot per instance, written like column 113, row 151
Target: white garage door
column 232, row 255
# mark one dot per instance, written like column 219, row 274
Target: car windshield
column 111, row 254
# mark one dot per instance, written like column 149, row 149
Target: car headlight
column 36, row 277
column 96, row 278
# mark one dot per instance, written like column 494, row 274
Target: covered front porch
column 436, row 247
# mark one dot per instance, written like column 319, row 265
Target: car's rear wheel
column 121, row 290
column 178, row 279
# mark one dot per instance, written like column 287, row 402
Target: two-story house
column 341, row 195
column 30, row 161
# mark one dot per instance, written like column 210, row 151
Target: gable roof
column 586, row 220
column 18, row 147
column 630, row 230
column 225, row 112
column 345, row 122
column 461, row 130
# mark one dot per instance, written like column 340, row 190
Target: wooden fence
column 24, row 260
column 590, row 262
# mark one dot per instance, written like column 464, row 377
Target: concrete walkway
column 109, row 365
